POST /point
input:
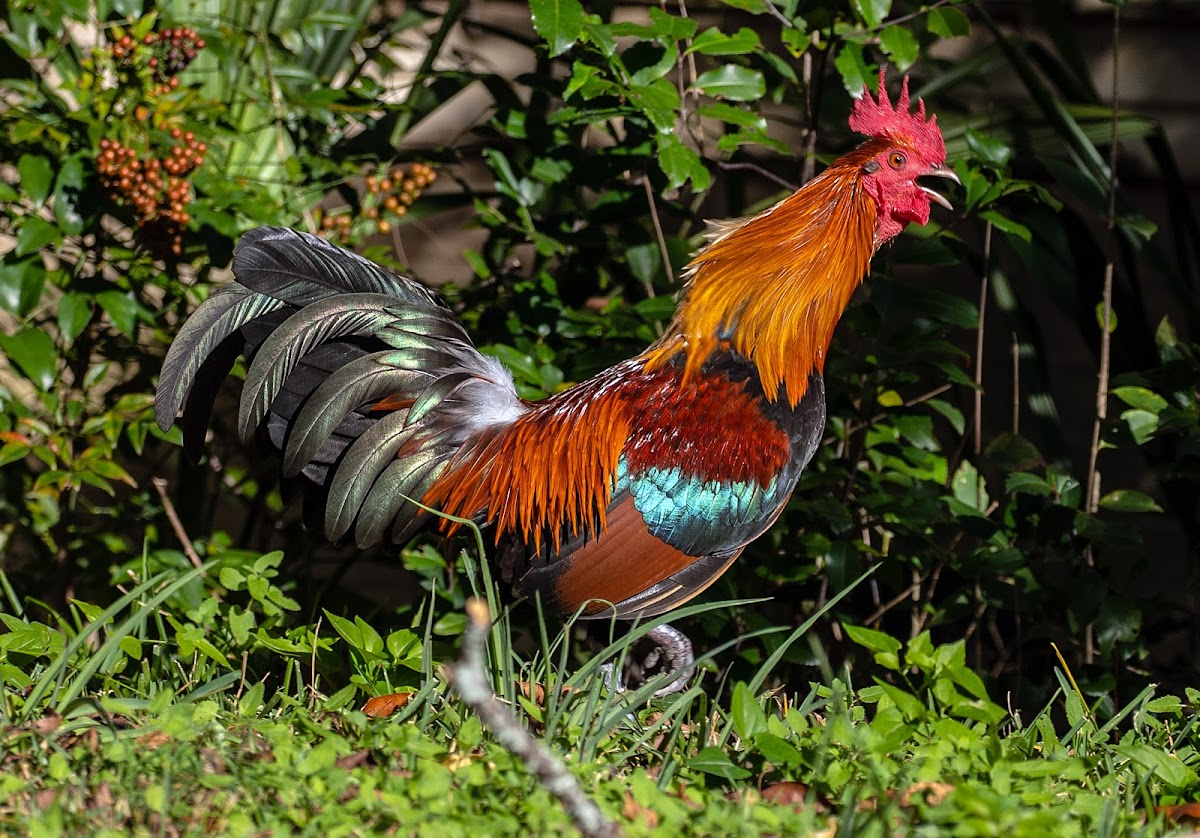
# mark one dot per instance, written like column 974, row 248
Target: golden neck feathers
column 773, row 288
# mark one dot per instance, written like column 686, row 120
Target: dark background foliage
column 555, row 179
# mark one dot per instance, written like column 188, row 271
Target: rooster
column 625, row 495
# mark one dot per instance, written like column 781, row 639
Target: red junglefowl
column 627, row 494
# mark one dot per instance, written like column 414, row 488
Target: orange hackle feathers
column 774, row 287
column 556, row 464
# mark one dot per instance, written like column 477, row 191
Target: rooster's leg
column 669, row 653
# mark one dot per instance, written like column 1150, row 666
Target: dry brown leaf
column 102, row 797
column 635, row 811
column 537, row 692
column 1180, row 811
column 153, row 740
column 352, row 761
column 47, row 724
column 44, row 799
column 382, row 706
column 786, row 794
column 932, row 793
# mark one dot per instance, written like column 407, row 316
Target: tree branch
column 469, row 677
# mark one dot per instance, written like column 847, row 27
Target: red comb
column 877, row 118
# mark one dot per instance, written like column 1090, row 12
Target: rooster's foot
column 664, row 650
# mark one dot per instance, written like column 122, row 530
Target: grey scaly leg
column 671, row 654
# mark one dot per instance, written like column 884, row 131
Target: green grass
column 192, row 705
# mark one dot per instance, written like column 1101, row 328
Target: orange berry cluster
column 388, row 196
column 174, row 50
column 157, row 189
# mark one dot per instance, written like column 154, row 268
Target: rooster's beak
column 940, row 171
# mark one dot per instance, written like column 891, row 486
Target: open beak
column 937, row 197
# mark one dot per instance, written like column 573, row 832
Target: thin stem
column 1016, row 385
column 160, row 486
column 658, row 232
column 1092, row 499
column 924, row 10
column 983, row 295
column 727, row 166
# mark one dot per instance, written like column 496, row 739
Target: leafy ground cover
column 186, row 708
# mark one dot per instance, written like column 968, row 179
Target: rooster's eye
column 897, row 160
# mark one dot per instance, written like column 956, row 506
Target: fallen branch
column 469, row 677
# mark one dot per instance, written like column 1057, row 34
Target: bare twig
column 853, row 428
column 983, row 294
column 658, row 232
column 924, row 10
column 727, row 166
column 160, row 486
column 469, row 677
column 1092, row 499
column 1016, row 384
column 809, row 165
column 912, row 590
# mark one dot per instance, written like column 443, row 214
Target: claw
column 672, row 654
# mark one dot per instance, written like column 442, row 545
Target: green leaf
column 715, row 42
column 948, row 23
column 884, row 646
column 988, row 149
column 1112, row 317
column 1166, row 766
column 1141, row 398
column 1129, row 500
column 1012, row 452
column 754, row 7
column 121, row 309
column 131, row 646
column 777, row 750
column 872, row 12
column 1025, row 483
column 732, row 114
column 37, row 175
column 36, row 233
column 898, row 43
column 1007, row 225
column 712, row 760
column 67, row 187
column 731, row 81
column 853, row 68
column 905, row 702
column 681, row 164
column 748, row 716
column 232, row 578
column 969, row 488
column 949, row 412
column 21, row 284
column 558, row 22
column 74, row 312
column 1142, row 424
column 32, row 351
